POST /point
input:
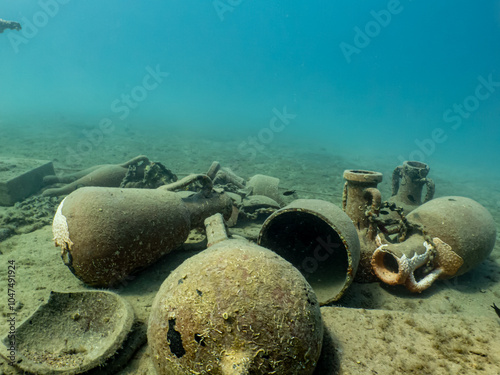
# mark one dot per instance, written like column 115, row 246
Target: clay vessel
column 361, row 201
column 408, row 181
column 320, row 240
column 107, row 233
column 269, row 186
column 107, row 175
column 72, row 333
column 447, row 237
column 235, row 308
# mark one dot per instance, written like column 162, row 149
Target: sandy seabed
column 374, row 329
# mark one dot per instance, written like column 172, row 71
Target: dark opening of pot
column 416, row 164
column 311, row 245
column 390, row 263
column 360, row 171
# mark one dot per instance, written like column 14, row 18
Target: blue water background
column 231, row 63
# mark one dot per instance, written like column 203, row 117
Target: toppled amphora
column 320, row 240
column 235, row 308
column 446, row 237
column 106, row 175
column 108, row 233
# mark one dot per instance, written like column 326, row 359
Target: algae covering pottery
column 235, row 308
column 71, row 333
column 447, row 237
column 107, row 233
column 320, row 240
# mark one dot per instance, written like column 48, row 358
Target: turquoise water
column 272, row 87
column 400, row 79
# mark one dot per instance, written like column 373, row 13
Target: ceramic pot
column 447, row 237
column 73, row 333
column 269, row 186
column 408, row 181
column 320, row 240
column 235, row 308
column 361, row 201
column 108, row 233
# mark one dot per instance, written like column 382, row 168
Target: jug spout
column 216, row 230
